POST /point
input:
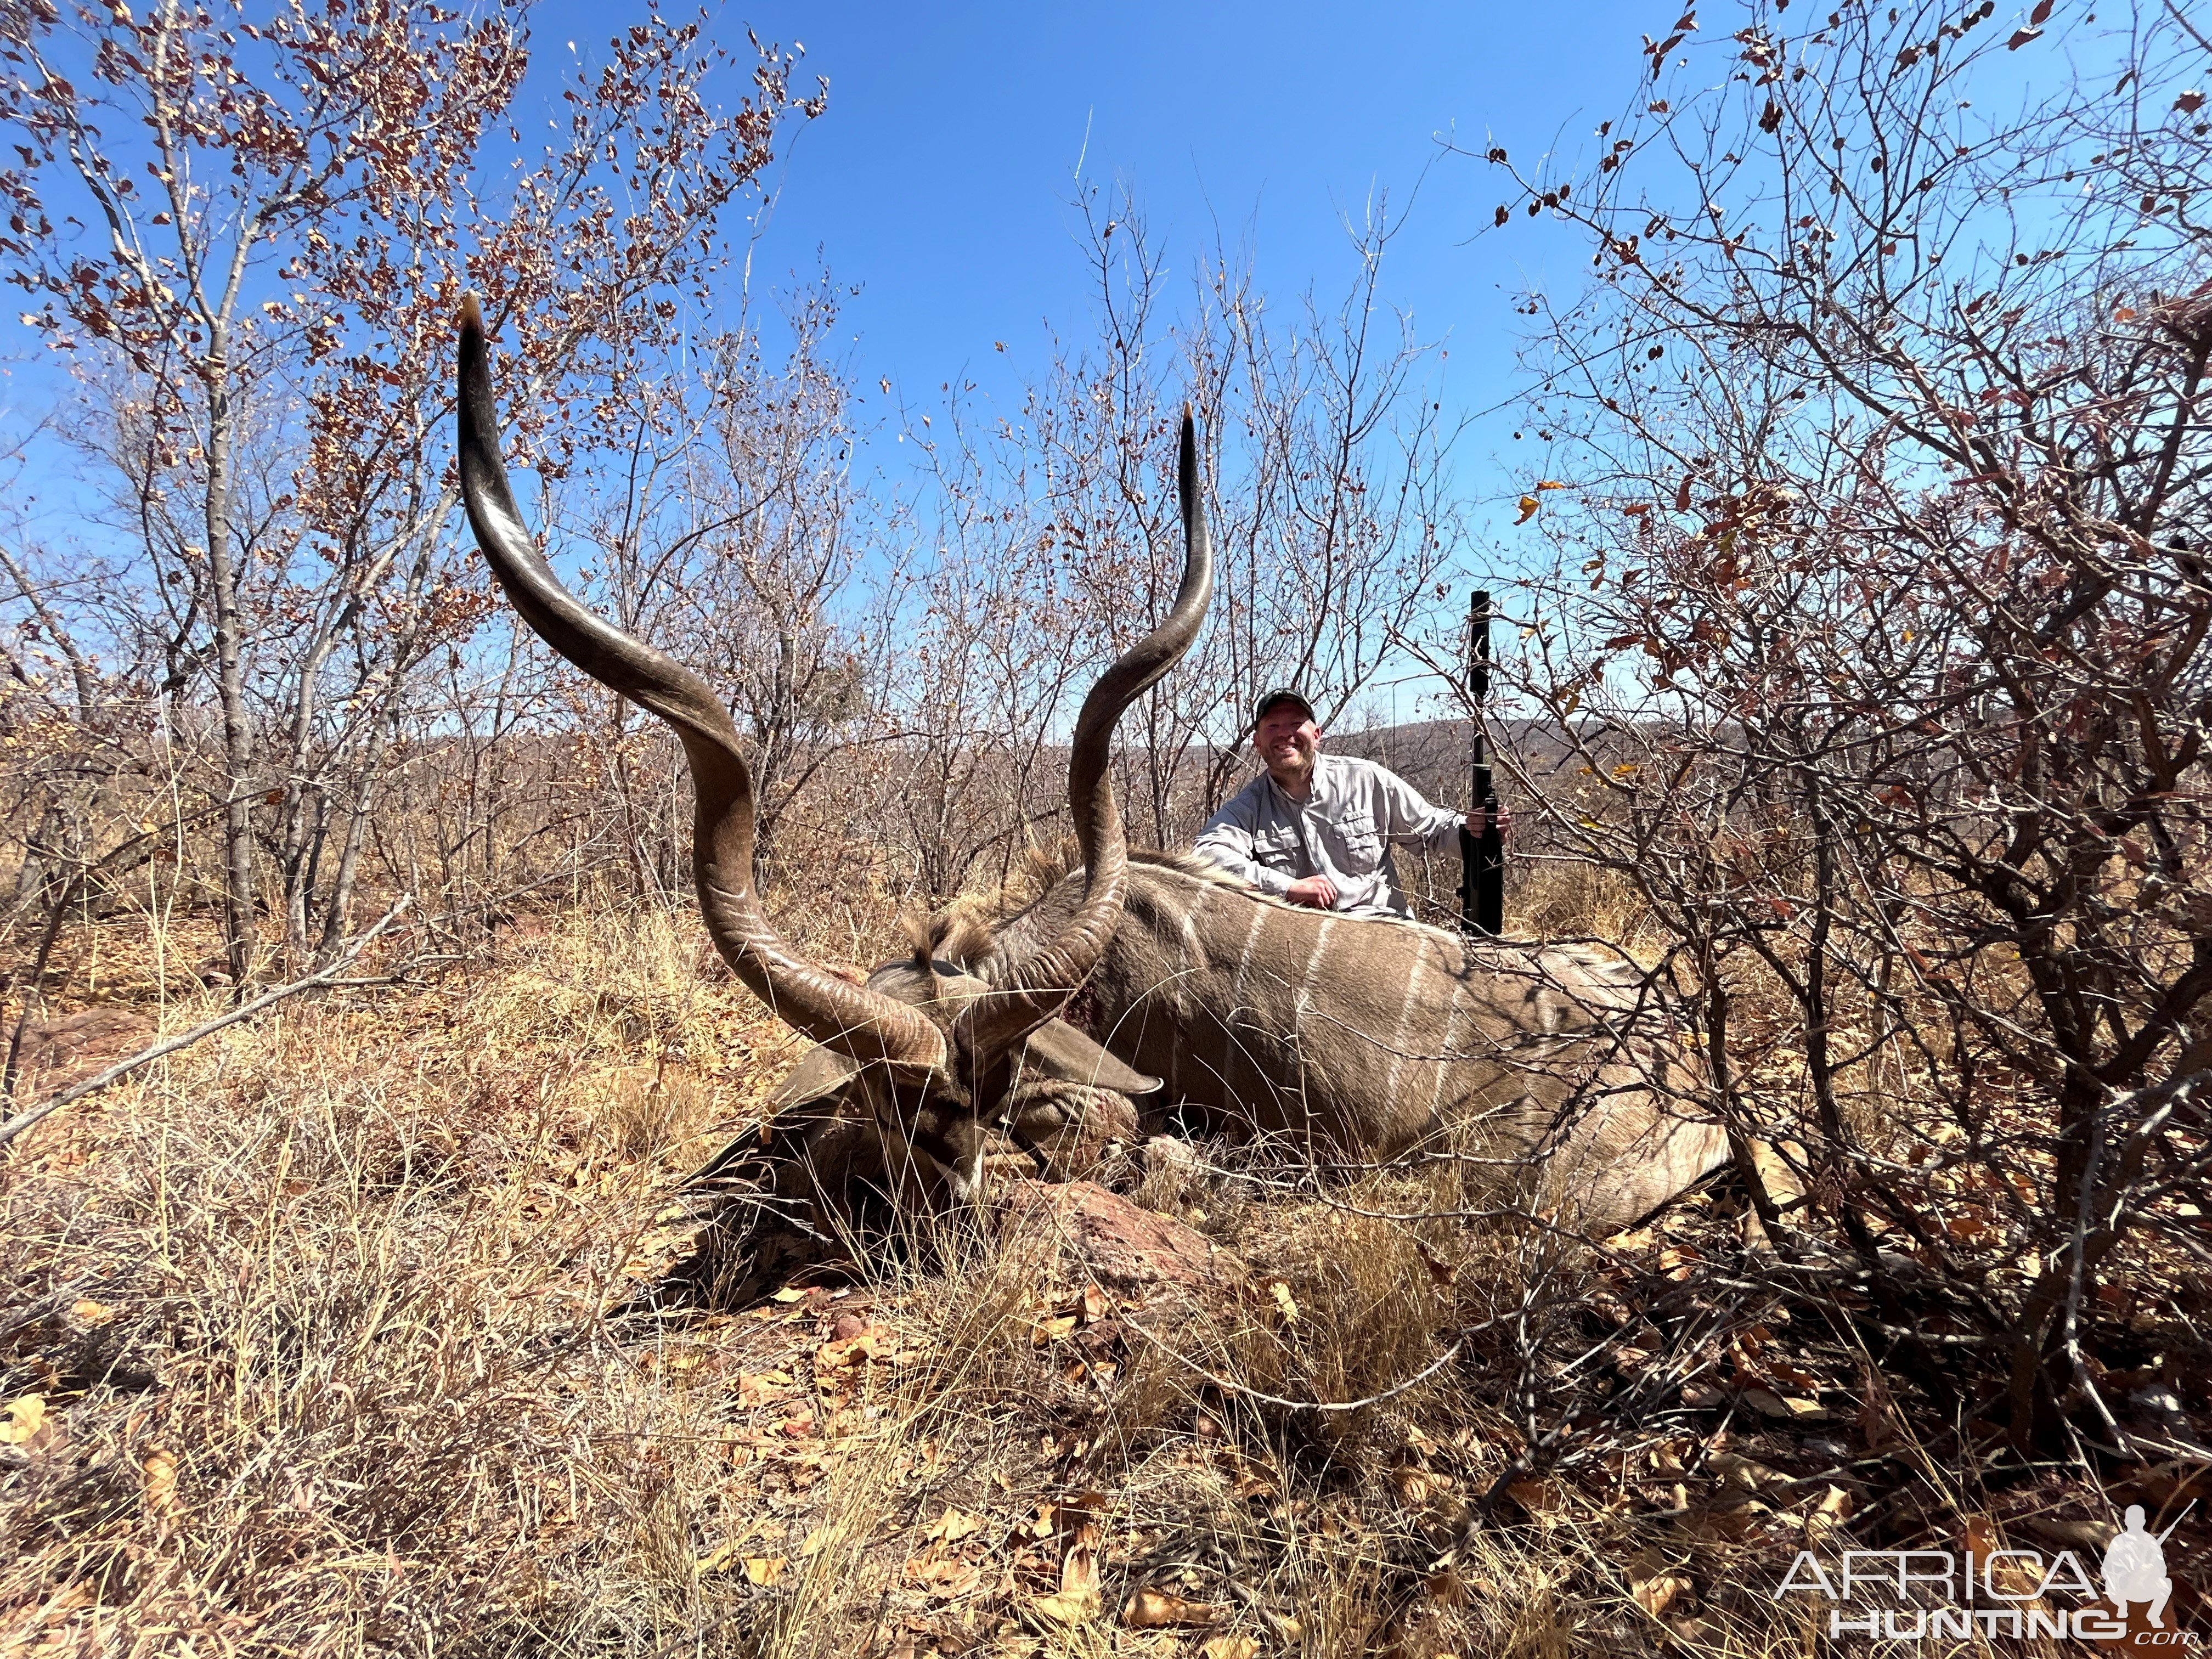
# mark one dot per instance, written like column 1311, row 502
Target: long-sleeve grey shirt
column 1343, row 829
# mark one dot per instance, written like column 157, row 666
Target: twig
column 122, row 1069
column 1246, row 1389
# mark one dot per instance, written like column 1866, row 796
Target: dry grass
column 315, row 1318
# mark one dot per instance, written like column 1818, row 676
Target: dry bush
column 317, row 1321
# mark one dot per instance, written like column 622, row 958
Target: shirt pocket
column 1276, row 848
column 1362, row 839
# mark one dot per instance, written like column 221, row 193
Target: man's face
column 1286, row 738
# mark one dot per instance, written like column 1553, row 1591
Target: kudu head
column 930, row 1059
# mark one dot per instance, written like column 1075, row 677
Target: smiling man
column 1316, row 830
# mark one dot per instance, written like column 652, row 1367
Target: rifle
column 1482, row 858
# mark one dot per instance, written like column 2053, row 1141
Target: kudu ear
column 1065, row 1054
column 819, row 1073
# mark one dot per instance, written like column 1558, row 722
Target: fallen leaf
column 942, row 1577
column 1150, row 1609
column 1540, row 1498
column 1079, row 1568
column 820, row 1540
column 954, row 1525
column 160, row 1471
column 1788, row 1407
column 719, row 1558
column 1069, row 1606
column 1232, row 1647
column 789, row 1293
column 1097, row 1304
column 1051, row 1330
column 1830, row 1513
column 1654, row 1582
column 765, row 1570
column 1288, row 1308
column 21, row 1419
column 91, row 1313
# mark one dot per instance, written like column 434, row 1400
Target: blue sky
column 940, row 178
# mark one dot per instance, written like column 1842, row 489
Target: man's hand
column 1504, row 816
column 1314, row 892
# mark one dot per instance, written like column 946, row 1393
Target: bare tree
column 287, row 288
column 1878, row 630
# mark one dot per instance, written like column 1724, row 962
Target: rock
column 848, row 1326
column 1117, row 1242
column 1169, row 1153
column 59, row 1051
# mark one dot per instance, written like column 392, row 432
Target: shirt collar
column 1322, row 761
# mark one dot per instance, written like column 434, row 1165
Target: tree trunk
column 240, row 927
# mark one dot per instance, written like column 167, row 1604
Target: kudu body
column 1355, row 1039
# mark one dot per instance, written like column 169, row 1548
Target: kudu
column 1352, row 1039
column 927, row 1057
column 1357, row 1040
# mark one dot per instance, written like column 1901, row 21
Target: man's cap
column 1280, row 694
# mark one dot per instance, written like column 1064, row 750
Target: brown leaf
column 1830, row 1513
column 21, row 1418
column 2021, row 37
column 954, row 1525
column 1069, row 1606
column 1529, row 506
column 2189, row 102
column 1540, row 1498
column 945, row 1578
column 160, row 1471
column 765, row 1570
column 1786, row 1408
column 1150, row 1609
column 1079, row 1568
column 1653, row 1581
column 1232, row 1647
